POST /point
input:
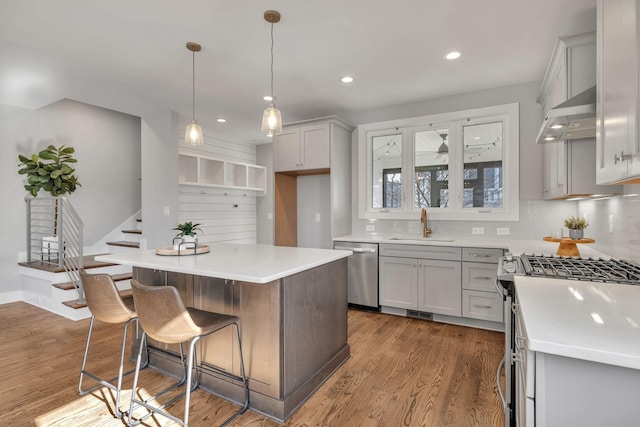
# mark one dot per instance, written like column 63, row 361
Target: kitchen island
column 292, row 304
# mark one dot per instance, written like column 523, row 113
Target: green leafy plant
column 187, row 229
column 573, row 223
column 50, row 170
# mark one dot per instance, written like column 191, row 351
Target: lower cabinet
column 439, row 287
column 452, row 281
column 398, row 278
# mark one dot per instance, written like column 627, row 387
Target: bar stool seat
column 163, row 317
column 106, row 305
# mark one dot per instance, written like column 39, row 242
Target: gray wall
column 265, row 204
column 107, row 145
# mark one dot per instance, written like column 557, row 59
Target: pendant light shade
column 271, row 118
column 193, row 133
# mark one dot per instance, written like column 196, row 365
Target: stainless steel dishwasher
column 362, row 274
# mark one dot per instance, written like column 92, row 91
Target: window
column 458, row 165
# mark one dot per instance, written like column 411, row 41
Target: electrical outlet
column 317, row 217
column 610, row 223
column 269, row 216
column 502, row 231
column 371, row 227
column 477, row 230
column 167, row 210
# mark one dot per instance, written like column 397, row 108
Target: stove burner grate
column 600, row 270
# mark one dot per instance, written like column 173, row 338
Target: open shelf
column 212, row 172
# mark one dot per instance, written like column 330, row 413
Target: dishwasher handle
column 356, row 250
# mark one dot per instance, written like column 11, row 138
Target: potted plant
column 576, row 227
column 50, row 170
column 187, row 231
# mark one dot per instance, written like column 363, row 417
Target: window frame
column 508, row 114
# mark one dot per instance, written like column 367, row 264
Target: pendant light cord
column 193, row 83
column 272, row 98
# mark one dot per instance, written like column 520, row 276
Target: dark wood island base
column 294, row 333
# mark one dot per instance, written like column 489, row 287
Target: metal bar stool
column 163, row 317
column 106, row 305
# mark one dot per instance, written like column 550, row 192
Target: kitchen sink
column 418, row 239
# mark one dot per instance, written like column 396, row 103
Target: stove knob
column 509, row 257
column 510, row 267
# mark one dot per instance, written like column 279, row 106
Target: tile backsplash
column 538, row 219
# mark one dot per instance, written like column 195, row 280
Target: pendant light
column 193, row 133
column 271, row 118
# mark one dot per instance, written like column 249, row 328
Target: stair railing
column 54, row 236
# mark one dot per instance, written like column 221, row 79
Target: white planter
column 576, row 234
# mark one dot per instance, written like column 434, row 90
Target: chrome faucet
column 425, row 228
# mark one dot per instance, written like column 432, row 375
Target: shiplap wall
column 225, row 215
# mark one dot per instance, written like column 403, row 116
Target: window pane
column 431, row 179
column 387, row 164
column 483, row 176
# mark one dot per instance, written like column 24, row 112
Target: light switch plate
column 317, row 217
column 503, row 231
column 477, row 230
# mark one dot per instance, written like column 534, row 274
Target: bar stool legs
column 107, row 383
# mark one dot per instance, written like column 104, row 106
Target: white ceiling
column 130, row 55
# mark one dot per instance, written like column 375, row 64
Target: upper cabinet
column 617, row 137
column 568, row 164
column 212, row 172
column 302, row 148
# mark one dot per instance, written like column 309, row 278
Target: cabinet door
column 439, row 287
column 617, row 87
column 286, row 151
column 398, row 282
column 315, row 147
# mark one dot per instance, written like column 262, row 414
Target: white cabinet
column 212, row 172
column 312, row 183
column 617, row 135
column 302, row 148
column 398, row 280
column 480, row 298
column 439, row 287
column 568, row 165
column 423, row 278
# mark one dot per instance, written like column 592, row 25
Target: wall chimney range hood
column 572, row 119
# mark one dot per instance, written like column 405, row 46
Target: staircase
column 48, row 285
column 131, row 238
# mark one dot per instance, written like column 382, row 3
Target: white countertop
column 516, row 247
column 560, row 317
column 248, row 263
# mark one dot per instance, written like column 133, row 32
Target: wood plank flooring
column 402, row 372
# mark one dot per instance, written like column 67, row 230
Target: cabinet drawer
column 477, row 276
column 445, row 253
column 482, row 305
column 481, row 254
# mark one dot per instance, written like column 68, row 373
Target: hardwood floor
column 402, row 372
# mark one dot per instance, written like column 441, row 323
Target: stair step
column 125, row 243
column 132, row 231
column 88, row 262
column 67, row 286
column 76, row 305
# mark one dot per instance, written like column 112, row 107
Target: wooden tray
column 169, row 251
column 568, row 246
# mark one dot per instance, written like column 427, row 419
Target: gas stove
column 586, row 269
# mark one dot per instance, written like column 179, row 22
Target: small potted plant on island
column 187, row 233
column 576, row 227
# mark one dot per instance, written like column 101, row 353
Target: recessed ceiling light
column 347, row 79
column 268, row 98
column 557, row 126
column 453, row 55
column 549, row 138
column 221, row 120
